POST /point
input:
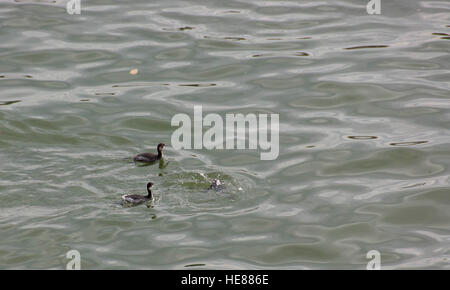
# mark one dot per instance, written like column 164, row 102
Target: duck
column 150, row 157
column 136, row 199
column 216, row 185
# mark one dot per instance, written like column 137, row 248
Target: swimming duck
column 150, row 157
column 216, row 185
column 138, row 199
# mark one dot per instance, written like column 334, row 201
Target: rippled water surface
column 364, row 107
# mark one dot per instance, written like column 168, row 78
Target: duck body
column 136, row 199
column 146, row 157
column 149, row 157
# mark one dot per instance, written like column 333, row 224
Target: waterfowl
column 216, row 185
column 138, row 199
column 150, row 157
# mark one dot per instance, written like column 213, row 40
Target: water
column 364, row 114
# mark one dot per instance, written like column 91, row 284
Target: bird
column 136, row 199
column 150, row 157
column 216, row 185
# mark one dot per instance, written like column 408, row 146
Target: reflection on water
column 362, row 137
column 366, row 46
column 408, row 143
column 9, row 102
column 364, row 140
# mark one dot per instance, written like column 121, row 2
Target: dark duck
column 216, row 185
column 136, row 199
column 150, row 157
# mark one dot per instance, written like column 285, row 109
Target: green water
column 364, row 107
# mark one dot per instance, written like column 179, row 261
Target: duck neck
column 149, row 195
column 159, row 153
